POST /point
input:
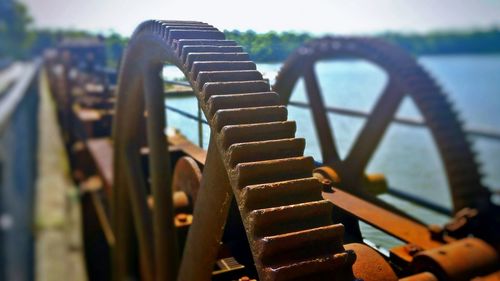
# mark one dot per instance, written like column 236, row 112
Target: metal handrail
column 186, row 114
column 5, row 63
column 475, row 132
column 16, row 92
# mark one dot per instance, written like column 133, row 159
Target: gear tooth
column 179, row 44
column 283, row 248
column 314, row 269
column 257, row 132
column 186, row 49
column 228, row 88
column 265, row 150
column 221, row 66
column 192, row 57
column 176, row 34
column 281, row 193
column 218, row 102
column 289, row 218
column 226, row 76
column 165, row 29
column 250, row 115
column 268, row 171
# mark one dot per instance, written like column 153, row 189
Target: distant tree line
column 448, row 42
column 273, row 47
column 20, row 39
column 270, row 46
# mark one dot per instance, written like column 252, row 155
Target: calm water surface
column 407, row 155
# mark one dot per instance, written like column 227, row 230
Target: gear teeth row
column 288, row 223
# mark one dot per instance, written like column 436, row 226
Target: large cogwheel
column 406, row 77
column 252, row 154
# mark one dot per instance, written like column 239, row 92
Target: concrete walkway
column 58, row 245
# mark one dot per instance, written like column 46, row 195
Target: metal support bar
column 476, row 132
column 186, row 114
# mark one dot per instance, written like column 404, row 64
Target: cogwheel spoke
column 455, row 150
column 141, row 213
column 165, row 236
column 329, row 150
column 205, row 235
column 463, row 176
column 373, row 130
column 124, row 233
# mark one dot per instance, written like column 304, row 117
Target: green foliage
column 448, row 42
column 270, row 46
column 14, row 23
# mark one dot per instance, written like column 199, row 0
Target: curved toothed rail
column 253, row 154
column 406, row 77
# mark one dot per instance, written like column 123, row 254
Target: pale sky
column 316, row 16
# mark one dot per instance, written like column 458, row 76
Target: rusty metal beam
column 390, row 223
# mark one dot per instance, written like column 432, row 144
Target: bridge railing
column 18, row 145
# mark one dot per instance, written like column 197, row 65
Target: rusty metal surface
column 490, row 277
column 102, row 152
column 179, row 142
column 370, row 265
column 393, row 224
column 406, row 77
column 187, row 177
column 424, row 276
column 459, row 261
column 361, row 191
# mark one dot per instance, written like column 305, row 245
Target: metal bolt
column 327, row 185
column 182, row 218
column 436, row 232
column 413, row 249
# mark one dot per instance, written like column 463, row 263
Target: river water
column 407, row 156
